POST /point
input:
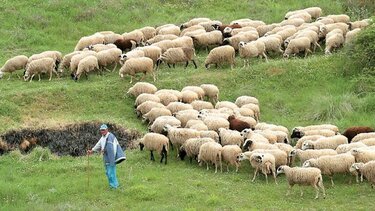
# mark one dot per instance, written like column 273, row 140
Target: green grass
column 291, row 92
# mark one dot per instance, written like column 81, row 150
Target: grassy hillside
column 291, row 92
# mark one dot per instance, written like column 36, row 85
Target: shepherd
column 112, row 153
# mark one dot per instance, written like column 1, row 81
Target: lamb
column 175, row 107
column 186, row 115
column 214, row 123
column 230, row 154
column 250, row 145
column 211, row 91
column 350, row 36
column 334, row 40
column 155, row 142
column 13, row 64
column 142, row 88
column 160, row 122
column 148, row 32
column 343, row 148
column 200, row 104
column 366, row 170
column 210, row 152
column 125, row 44
column 85, row 66
column 44, row 65
column 240, row 37
column 236, row 124
column 342, row 18
column 96, row 38
column 363, row 155
column 263, row 161
column 230, row 137
column 297, row 45
column 166, row 97
column 108, row 57
column 331, row 164
column 304, row 155
column 252, row 49
column 178, row 136
column 303, row 176
column 146, row 107
column 351, row 132
column 159, row 38
column 210, row 134
column 213, row 38
column 191, row 148
column 325, row 143
column 362, row 136
column 65, row 63
column 136, row 65
column 152, row 52
column 176, row 55
column 155, row 113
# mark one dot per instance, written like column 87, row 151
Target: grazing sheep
column 200, row 92
column 366, row 170
column 125, row 44
column 44, row 65
column 100, row 47
column 152, row 52
column 210, row 152
column 137, row 65
column 213, row 38
column 255, row 108
column 211, row 91
column 325, row 143
column 214, row 123
column 141, row 88
column 200, row 104
column 192, row 29
column 252, row 49
column 246, row 112
column 226, row 104
column 13, row 64
column 264, row 126
column 86, row 65
column 313, row 127
column 175, row 107
column 287, row 148
column 230, row 154
column 148, row 32
column 362, row 136
column 304, row 15
column 160, row 122
column 176, row 55
column 210, row 134
column 136, row 35
column 306, row 138
column 363, row 155
column 230, row 137
column 249, row 134
column 159, row 38
column 250, row 145
column 178, row 136
column 343, row 148
column 108, row 57
column 169, row 29
column 325, row 29
column 166, row 97
column 323, row 132
column 268, row 134
column 131, row 54
column 77, row 58
column 185, row 115
column 334, row 40
column 263, row 29
column 164, row 45
column 228, row 32
column 342, row 18
column 155, row 142
column 273, row 44
column 351, row 132
column 240, row 37
column 189, row 96
column 260, row 161
column 351, row 35
column 193, row 22
column 171, row 91
column 65, row 63
column 155, row 113
column 236, row 124
column 304, row 155
column 191, row 147
column 331, row 164
column 359, row 24
column 145, row 97
column 243, row 100
column 315, row 12
column 303, row 176
column 111, row 38
column 221, row 27
column 301, row 44
column 84, row 42
column 146, row 107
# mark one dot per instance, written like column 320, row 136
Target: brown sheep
column 353, row 131
column 223, row 26
column 236, row 124
column 125, row 44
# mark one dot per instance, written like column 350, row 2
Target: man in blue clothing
column 107, row 145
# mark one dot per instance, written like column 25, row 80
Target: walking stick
column 88, row 168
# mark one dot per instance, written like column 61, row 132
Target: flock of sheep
column 300, row 32
column 197, row 125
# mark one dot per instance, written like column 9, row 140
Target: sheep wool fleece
column 108, row 145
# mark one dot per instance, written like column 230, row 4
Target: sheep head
column 141, row 146
column 308, row 163
column 307, row 145
column 182, row 153
column 247, row 144
column 297, row 133
column 280, row 170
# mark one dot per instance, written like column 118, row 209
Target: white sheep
column 210, row 134
column 229, row 155
column 315, row 12
column 211, row 91
column 281, row 157
column 155, row 142
column 317, row 127
column 140, row 88
column 177, row 55
column 148, row 32
column 273, row 44
column 135, row 53
column 230, row 137
column 164, row 45
column 65, row 63
column 175, row 107
column 100, row 47
column 191, row 147
column 367, row 170
column 250, row 145
column 86, row 65
column 145, row 97
column 152, row 52
column 178, row 136
column 363, row 136
column 350, row 36
column 194, row 21
column 155, row 113
column 77, row 58
column 304, row 155
column 136, row 35
column 13, row 64
column 297, row 45
column 200, row 104
column 243, row 100
column 214, row 123
column 343, row 148
column 44, row 65
column 341, row 18
column 160, row 122
column 108, row 57
column 146, row 107
column 137, row 65
column 240, row 37
column 168, row 29
column 331, row 164
column 191, row 29
column 334, row 40
column 185, row 115
column 363, row 155
column 368, row 141
column 256, row 137
column 325, row 143
column 84, row 42
column 260, row 161
column 210, row 152
column 296, row 133
column 252, row 49
column 166, row 97
column 159, row 38
column 264, row 126
column 303, row 14
column 213, row 38
column 325, row 29
column 303, row 176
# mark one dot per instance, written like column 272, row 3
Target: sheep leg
column 195, row 64
column 9, row 76
column 114, row 67
column 154, row 76
column 317, row 191
column 152, row 156
column 333, row 184
column 32, row 77
column 50, row 76
column 255, row 174
column 131, row 79
column 169, row 66
column 191, row 160
column 186, row 64
column 289, row 189
column 174, row 65
column 227, row 168
column 215, row 167
column 207, row 166
column 39, row 76
column 265, row 56
column 265, row 174
column 317, row 44
column 307, row 51
column 274, row 176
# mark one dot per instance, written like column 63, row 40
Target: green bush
column 359, row 9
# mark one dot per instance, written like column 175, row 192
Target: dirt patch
column 72, row 139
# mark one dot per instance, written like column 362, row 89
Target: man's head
column 103, row 129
